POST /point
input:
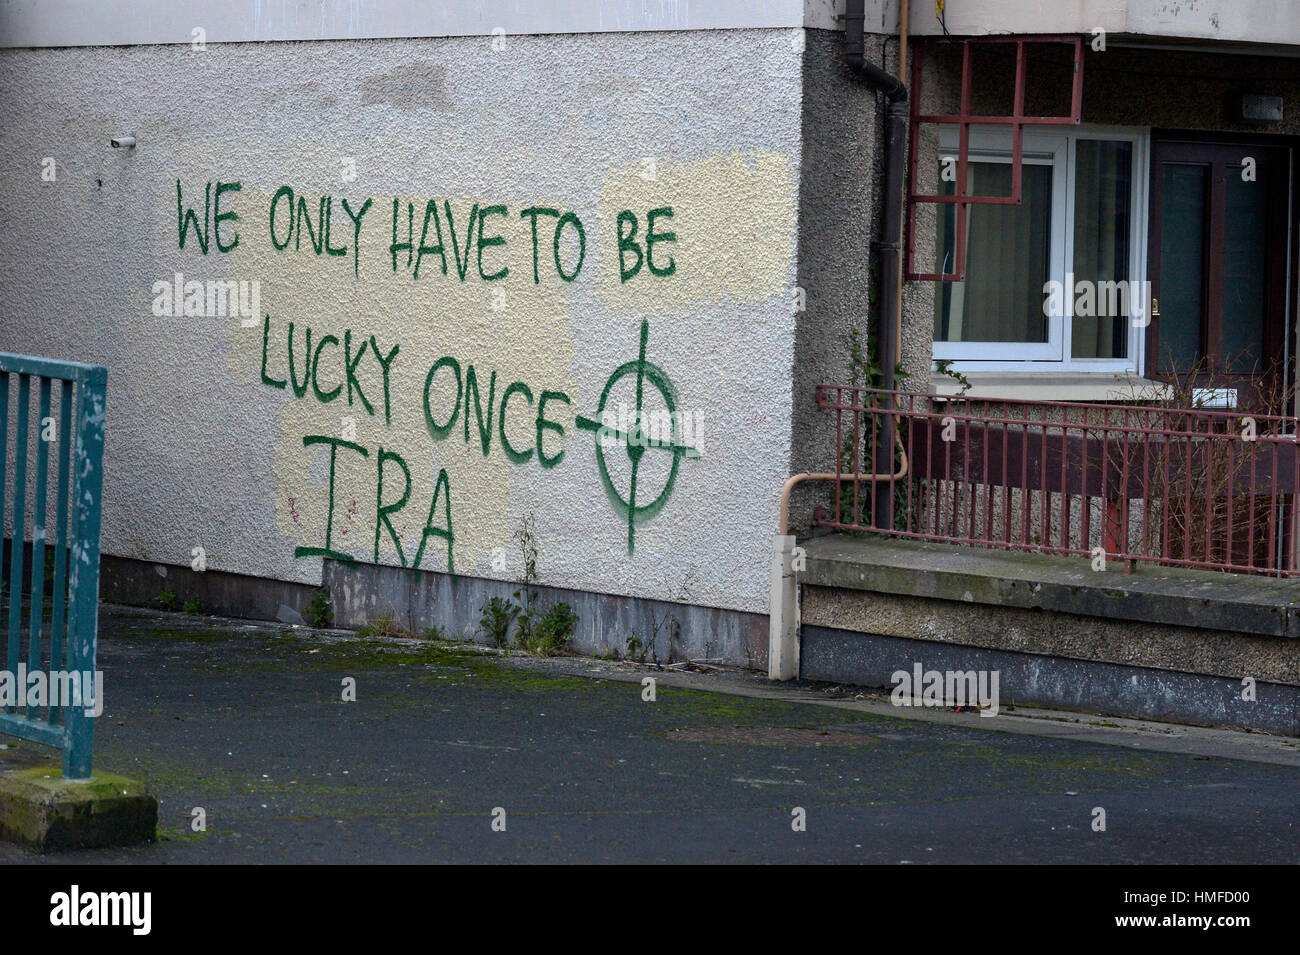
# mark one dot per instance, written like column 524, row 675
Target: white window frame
column 1057, row 146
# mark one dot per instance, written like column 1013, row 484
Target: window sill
column 1053, row 386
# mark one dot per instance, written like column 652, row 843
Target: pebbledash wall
column 422, row 373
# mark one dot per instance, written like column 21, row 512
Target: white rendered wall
column 202, row 451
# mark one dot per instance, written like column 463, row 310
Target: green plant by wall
column 525, row 596
column 495, row 619
column 193, row 607
column 553, row 631
column 383, row 625
column 667, row 625
column 944, row 367
column 635, row 648
column 545, row 633
column 168, row 601
column 865, row 371
column 319, row 611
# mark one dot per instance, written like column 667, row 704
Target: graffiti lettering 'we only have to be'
column 457, row 399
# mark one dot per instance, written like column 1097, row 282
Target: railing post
column 882, row 504
column 83, row 576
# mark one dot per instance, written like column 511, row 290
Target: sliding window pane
column 1008, row 250
column 1103, row 191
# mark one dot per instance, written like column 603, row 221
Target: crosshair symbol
column 636, row 440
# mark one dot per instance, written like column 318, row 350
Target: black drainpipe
column 890, row 244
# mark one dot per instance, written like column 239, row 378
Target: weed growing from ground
column 495, row 620
column 319, row 611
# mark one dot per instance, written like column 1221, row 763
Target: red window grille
column 964, row 119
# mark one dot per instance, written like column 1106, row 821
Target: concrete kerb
column 1162, row 595
column 1034, row 721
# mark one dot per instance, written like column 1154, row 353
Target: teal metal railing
column 49, row 600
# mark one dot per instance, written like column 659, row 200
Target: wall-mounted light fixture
column 1258, row 108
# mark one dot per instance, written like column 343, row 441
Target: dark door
column 1217, row 265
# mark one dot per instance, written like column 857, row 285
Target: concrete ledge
column 1188, row 649
column 1205, row 599
column 1050, row 386
column 41, row 810
column 1103, row 688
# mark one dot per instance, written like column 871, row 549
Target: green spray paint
column 316, row 235
column 431, row 209
column 627, row 243
column 441, row 490
column 396, row 246
column 347, row 373
column 651, row 237
column 218, row 216
column 532, row 212
column 417, row 252
column 324, row 397
column 350, row 364
column 567, row 219
column 382, row 510
column 266, row 335
column 488, row 242
column 300, row 390
column 386, row 363
column 440, row 431
column 515, row 457
column 634, row 441
column 284, row 192
column 544, row 425
column 328, row 550
column 329, row 218
column 187, row 216
column 484, row 427
column 356, row 234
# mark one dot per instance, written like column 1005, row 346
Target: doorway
column 1217, row 262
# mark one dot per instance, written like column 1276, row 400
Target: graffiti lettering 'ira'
column 437, row 525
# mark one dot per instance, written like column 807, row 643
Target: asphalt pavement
column 453, row 754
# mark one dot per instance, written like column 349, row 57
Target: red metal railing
column 1172, row 486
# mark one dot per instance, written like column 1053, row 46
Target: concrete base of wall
column 1108, row 689
column 420, row 599
column 668, row 631
column 138, row 583
column 1047, row 656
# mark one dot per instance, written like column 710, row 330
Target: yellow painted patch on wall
column 524, row 337
column 734, row 221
